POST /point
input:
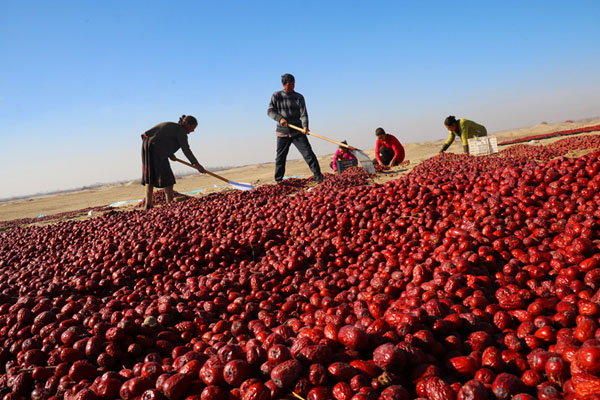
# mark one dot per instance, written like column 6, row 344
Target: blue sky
column 81, row 80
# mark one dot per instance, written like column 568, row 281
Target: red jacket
column 394, row 144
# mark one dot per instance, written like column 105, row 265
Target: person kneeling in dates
column 388, row 150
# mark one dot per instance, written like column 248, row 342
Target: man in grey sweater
column 288, row 107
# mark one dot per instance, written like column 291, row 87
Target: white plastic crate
column 483, row 146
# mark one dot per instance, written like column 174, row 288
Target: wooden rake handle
column 206, row 171
column 323, row 137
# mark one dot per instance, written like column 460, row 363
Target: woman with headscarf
column 465, row 129
column 158, row 145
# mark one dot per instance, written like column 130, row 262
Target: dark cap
column 285, row 78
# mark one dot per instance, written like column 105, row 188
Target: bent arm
column 451, row 136
column 398, row 154
column 185, row 148
column 464, row 137
column 273, row 110
column 303, row 112
column 448, row 142
column 335, row 158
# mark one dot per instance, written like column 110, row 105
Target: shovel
column 364, row 159
column 240, row 186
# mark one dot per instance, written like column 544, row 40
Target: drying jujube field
column 468, row 278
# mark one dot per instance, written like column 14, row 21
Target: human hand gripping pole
column 240, row 186
column 364, row 159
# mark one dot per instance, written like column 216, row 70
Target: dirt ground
column 256, row 175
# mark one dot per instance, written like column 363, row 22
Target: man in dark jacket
column 288, row 107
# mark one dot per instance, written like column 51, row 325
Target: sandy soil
column 256, row 175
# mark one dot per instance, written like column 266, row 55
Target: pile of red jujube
column 380, row 168
column 468, row 278
column 45, row 218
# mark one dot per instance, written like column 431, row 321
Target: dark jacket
column 167, row 138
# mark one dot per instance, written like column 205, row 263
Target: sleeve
column 466, row 133
column 465, row 139
column 185, row 147
column 273, row 111
column 335, row 157
column 451, row 136
column 377, row 145
column 396, row 147
column 398, row 151
column 303, row 112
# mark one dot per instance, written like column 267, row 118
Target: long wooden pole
column 323, row 137
column 206, row 171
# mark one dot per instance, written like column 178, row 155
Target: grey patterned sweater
column 290, row 106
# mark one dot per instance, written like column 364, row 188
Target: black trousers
column 386, row 154
column 303, row 146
